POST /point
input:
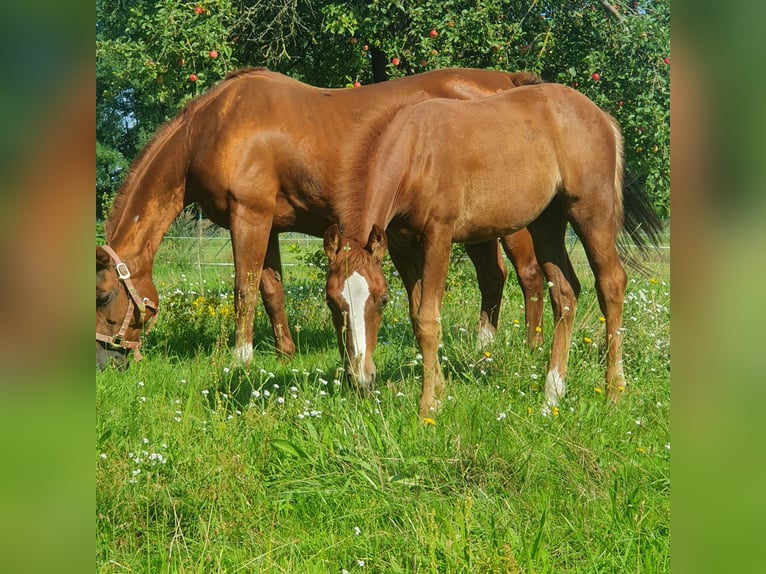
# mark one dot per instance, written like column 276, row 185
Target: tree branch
column 610, row 8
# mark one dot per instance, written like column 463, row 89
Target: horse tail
column 634, row 214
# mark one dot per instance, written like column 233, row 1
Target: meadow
column 281, row 467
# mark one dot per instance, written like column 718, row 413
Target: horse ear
column 332, row 242
column 103, row 260
column 376, row 244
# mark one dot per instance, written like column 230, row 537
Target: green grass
column 202, row 467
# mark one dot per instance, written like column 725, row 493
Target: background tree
column 152, row 56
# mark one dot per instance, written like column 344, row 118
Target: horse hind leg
column 521, row 252
column 564, row 288
column 490, row 274
column 611, row 281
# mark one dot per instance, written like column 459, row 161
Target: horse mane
column 356, row 173
column 181, row 120
column 124, row 194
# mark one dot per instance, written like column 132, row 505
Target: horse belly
column 498, row 203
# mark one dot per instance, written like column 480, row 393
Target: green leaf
column 288, row 448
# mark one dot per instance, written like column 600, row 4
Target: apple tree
column 153, row 55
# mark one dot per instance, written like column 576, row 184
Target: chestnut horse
column 450, row 171
column 262, row 153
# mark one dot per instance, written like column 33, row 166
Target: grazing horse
column 262, row 153
column 467, row 171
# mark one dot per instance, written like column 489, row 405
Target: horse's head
column 356, row 294
column 124, row 309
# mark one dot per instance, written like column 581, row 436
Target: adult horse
column 262, row 153
column 446, row 171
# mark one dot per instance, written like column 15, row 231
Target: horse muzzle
column 109, row 357
column 361, row 371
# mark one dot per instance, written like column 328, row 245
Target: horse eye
column 102, row 299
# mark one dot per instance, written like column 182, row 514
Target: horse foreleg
column 249, row 240
column 427, row 324
column 521, row 252
column 273, row 297
column 490, row 274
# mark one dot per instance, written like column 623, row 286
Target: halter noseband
column 134, row 301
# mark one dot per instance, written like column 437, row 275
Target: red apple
column 199, row 10
column 192, row 77
column 354, row 40
column 433, row 33
column 619, row 103
column 595, row 76
column 395, row 61
column 365, row 47
column 213, row 54
column 666, row 60
column 357, row 84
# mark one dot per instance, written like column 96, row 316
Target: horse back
column 467, row 162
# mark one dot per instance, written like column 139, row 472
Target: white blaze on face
column 355, row 292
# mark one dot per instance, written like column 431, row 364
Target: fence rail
column 214, row 249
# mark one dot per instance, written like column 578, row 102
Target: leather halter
column 134, row 301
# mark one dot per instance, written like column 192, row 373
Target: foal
column 467, row 171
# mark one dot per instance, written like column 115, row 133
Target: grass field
column 203, row 467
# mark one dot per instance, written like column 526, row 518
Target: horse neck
column 372, row 204
column 149, row 201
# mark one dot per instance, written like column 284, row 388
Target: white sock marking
column 244, row 353
column 554, row 387
column 486, row 336
column 355, row 292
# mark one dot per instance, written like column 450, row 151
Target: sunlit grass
column 280, row 467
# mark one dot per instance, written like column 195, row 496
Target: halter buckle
column 122, row 271
column 117, row 341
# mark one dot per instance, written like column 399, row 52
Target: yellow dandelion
column 429, row 421
column 515, row 321
column 487, row 354
column 653, row 281
column 602, row 319
column 555, row 411
column 587, row 340
column 529, row 410
column 597, row 390
column 641, row 450
column 538, row 329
